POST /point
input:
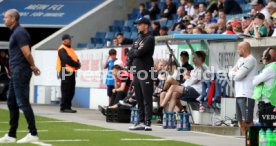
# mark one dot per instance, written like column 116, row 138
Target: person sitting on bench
column 191, row 89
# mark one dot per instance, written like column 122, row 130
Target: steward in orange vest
column 68, row 60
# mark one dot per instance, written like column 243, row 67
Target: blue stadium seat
column 127, row 34
column 118, row 23
column 134, row 35
column 90, row 46
column 163, row 22
column 134, row 29
column 170, row 23
column 114, row 28
column 99, row 46
column 132, row 16
column 92, row 40
column 126, row 28
column 129, row 23
column 99, row 40
column 100, row 35
column 81, row 45
column 109, row 35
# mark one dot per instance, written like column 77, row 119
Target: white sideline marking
column 143, row 139
column 94, row 130
column 24, row 131
column 67, row 140
column 41, row 143
column 44, row 122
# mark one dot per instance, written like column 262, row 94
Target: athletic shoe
column 148, row 126
column 68, row 111
column 7, row 139
column 139, row 126
column 201, row 108
column 123, row 103
column 28, row 139
column 102, row 110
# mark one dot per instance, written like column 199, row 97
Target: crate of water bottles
column 261, row 136
column 183, row 122
column 168, row 120
column 134, row 117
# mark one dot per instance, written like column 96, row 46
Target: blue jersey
column 109, row 77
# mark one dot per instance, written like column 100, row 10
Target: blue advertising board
column 48, row 13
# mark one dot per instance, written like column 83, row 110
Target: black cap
column 142, row 20
column 66, row 36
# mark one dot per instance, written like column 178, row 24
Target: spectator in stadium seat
column 257, row 28
column 191, row 88
column 221, row 14
column 109, row 77
column 212, row 28
column 197, row 30
column 190, row 8
column 154, row 10
column 122, row 40
column 201, row 9
column 212, row 7
column 169, row 10
column 115, row 42
column 163, row 31
column 237, row 27
column 184, row 23
column 143, row 12
column 271, row 6
column 229, row 6
column 155, row 28
column 229, row 29
column 208, row 18
column 243, row 74
column 180, row 14
column 190, row 29
column 259, row 6
column 183, row 3
column 22, row 66
column 246, row 21
column 221, row 26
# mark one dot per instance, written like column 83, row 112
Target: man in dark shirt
column 154, row 10
column 67, row 66
column 22, row 65
column 169, row 10
column 122, row 40
column 141, row 55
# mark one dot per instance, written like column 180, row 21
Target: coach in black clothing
column 22, row 65
column 141, row 55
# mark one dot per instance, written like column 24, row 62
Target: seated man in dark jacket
column 169, row 10
column 122, row 40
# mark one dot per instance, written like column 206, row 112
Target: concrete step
column 220, row 130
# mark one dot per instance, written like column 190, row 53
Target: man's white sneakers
column 28, row 139
column 7, row 139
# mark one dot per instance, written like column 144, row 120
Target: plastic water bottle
column 274, row 137
column 269, row 137
column 262, row 138
column 165, row 120
column 179, row 121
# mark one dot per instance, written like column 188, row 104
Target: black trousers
column 116, row 97
column 18, row 98
column 143, row 93
column 68, row 85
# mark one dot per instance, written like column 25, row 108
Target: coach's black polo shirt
column 19, row 38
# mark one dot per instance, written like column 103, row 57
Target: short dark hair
column 260, row 16
column 184, row 53
column 112, row 52
column 142, row 4
column 201, row 54
column 119, row 33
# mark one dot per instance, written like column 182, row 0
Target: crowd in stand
column 210, row 17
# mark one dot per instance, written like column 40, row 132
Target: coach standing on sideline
column 141, row 55
column 67, row 66
column 22, row 65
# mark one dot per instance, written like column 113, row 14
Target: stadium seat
column 81, row 45
column 163, row 22
column 134, row 29
column 90, row 46
column 170, row 23
column 100, row 35
column 99, row 45
column 114, row 28
column 127, row 34
column 134, row 35
column 126, row 28
column 129, row 23
column 109, row 35
column 118, row 23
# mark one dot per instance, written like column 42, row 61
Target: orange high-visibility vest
column 72, row 54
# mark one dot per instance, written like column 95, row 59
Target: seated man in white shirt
column 192, row 86
column 265, row 84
